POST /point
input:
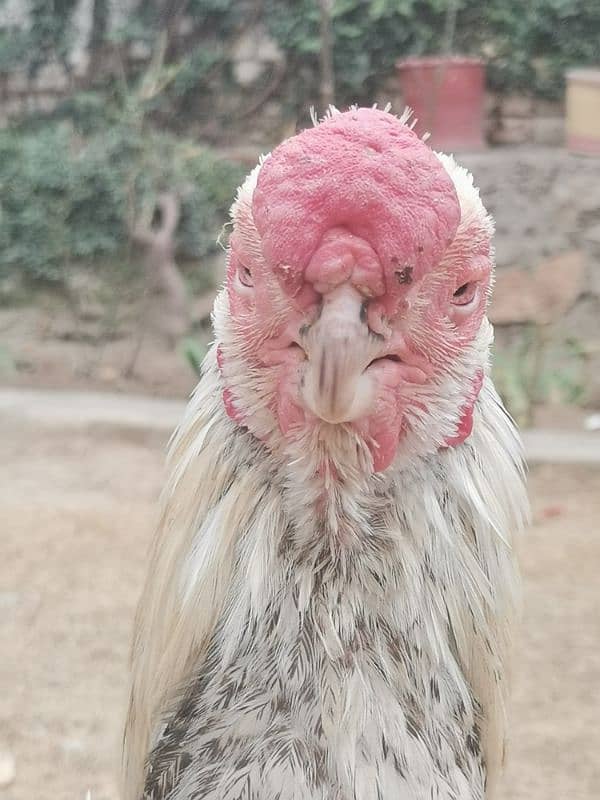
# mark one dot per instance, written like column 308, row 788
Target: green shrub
column 66, row 199
column 35, row 190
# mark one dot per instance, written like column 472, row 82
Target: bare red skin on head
column 363, row 171
column 360, row 198
column 382, row 429
column 465, row 425
column 229, row 403
column 343, row 257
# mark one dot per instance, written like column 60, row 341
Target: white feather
column 247, row 525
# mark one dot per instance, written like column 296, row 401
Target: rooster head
column 359, row 269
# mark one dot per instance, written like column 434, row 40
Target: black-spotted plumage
column 346, row 680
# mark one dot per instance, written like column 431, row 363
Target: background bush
column 527, row 43
column 65, row 199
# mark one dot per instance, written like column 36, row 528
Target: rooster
column 328, row 607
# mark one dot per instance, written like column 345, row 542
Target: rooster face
column 358, row 275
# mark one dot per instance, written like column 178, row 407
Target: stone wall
column 21, row 93
column 546, row 204
column 520, row 119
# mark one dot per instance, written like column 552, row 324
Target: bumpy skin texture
column 328, row 606
column 359, row 201
column 368, row 173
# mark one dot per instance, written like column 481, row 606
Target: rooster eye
column 465, row 294
column 404, row 275
column 245, row 276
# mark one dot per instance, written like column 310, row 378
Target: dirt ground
column 76, row 512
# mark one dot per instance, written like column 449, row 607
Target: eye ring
column 245, row 276
column 465, row 294
column 404, row 275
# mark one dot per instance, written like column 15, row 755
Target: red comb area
column 363, row 171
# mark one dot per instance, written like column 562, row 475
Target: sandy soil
column 76, row 512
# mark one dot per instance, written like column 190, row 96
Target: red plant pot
column 447, row 98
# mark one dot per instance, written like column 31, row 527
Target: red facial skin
column 358, row 201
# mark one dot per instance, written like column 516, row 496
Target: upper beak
column 337, row 386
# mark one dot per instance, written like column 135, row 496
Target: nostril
column 377, row 320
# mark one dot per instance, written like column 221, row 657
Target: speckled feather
column 359, row 655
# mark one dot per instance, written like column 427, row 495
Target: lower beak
column 336, row 386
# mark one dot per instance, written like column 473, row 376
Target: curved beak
column 337, row 386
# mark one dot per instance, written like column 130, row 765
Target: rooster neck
column 359, row 632
column 345, row 613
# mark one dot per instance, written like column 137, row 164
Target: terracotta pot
column 446, row 95
column 583, row 111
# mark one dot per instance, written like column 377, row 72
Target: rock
column 14, row 14
column 18, row 604
column 252, row 54
column 14, row 106
column 580, row 323
column 491, row 102
column 17, row 82
column 85, row 291
column 246, row 154
column 8, row 768
column 139, row 51
column 548, row 108
column 185, row 26
column 79, row 60
column 559, row 281
column 120, row 14
column 11, row 286
column 107, row 374
column 389, row 91
column 513, row 130
column 512, row 300
column 51, row 78
column 517, row 105
column 591, row 241
column 247, row 72
column 548, row 130
column 255, row 43
column 46, row 103
column 592, row 234
column 538, row 296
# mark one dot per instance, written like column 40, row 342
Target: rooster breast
column 357, row 653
